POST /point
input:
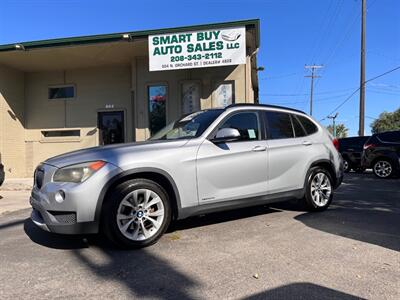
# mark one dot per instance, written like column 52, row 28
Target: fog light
column 59, row 196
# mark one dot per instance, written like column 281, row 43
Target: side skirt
column 239, row 203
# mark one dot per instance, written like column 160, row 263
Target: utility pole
column 312, row 76
column 334, row 123
column 362, row 75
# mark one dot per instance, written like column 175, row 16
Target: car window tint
column 298, row 129
column 391, row 136
column 279, row 125
column 247, row 124
column 308, row 125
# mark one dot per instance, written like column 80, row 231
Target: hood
column 111, row 153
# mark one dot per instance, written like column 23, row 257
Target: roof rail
column 265, row 105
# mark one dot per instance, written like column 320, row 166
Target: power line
column 353, row 93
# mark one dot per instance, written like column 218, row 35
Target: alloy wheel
column 321, row 189
column 383, row 168
column 140, row 214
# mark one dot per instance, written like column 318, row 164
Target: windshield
column 189, row 126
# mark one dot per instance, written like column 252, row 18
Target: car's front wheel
column 383, row 168
column 136, row 214
column 319, row 189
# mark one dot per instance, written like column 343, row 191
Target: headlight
column 78, row 173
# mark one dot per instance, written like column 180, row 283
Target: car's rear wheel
column 383, row 168
column 136, row 214
column 346, row 166
column 319, row 189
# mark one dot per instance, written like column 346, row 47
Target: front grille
column 39, row 177
column 64, row 217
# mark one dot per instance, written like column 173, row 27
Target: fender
column 123, row 174
column 318, row 162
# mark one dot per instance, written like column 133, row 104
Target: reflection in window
column 157, row 107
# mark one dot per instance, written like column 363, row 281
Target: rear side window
column 279, row 125
column 298, row 129
column 390, row 137
column 247, row 124
column 309, row 126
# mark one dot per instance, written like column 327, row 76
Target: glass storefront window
column 157, row 107
column 190, row 97
column 224, row 94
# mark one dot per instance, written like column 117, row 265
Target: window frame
column 55, row 86
column 260, row 120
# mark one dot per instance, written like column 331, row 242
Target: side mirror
column 226, row 135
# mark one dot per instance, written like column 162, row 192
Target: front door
column 234, row 170
column 111, row 127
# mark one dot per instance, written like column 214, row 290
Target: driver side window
column 246, row 123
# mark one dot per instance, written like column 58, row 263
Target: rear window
column 308, row 125
column 390, row 137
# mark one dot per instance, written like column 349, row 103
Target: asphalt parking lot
column 350, row 251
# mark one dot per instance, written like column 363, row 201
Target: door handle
column 259, row 148
column 307, row 143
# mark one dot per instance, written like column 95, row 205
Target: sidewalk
column 14, row 194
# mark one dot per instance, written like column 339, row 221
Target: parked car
column 382, row 154
column 2, row 174
column 208, row 161
column 351, row 149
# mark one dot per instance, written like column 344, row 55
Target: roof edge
column 113, row 37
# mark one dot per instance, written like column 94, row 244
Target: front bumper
column 76, row 213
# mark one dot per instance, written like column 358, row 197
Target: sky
column 293, row 33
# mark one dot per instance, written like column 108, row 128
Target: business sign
column 197, row 49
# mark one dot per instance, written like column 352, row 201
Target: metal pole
column 312, row 76
column 312, row 90
column 362, row 75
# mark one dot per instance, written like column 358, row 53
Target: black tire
column 386, row 162
column 346, row 166
column 308, row 199
column 110, row 209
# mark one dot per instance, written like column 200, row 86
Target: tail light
column 368, row 146
column 336, row 143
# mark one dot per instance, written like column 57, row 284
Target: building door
column 111, row 127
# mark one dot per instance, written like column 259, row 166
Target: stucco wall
column 12, row 138
column 96, row 88
column 25, row 110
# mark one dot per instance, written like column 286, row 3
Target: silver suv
column 208, row 161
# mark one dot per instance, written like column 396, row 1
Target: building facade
column 67, row 94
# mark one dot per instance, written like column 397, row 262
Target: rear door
column 290, row 149
column 234, row 170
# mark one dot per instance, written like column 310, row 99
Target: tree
column 341, row 130
column 387, row 121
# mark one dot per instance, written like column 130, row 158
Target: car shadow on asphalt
column 302, row 290
column 364, row 208
column 147, row 274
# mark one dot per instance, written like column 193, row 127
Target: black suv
column 382, row 153
column 351, row 149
